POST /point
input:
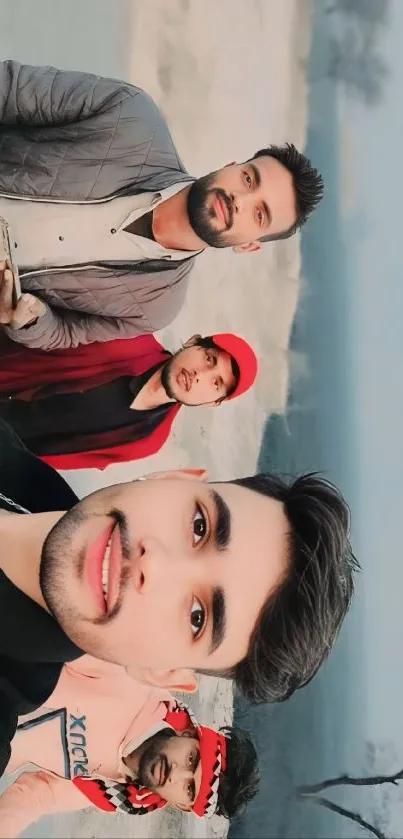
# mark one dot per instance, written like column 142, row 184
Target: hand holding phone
column 9, row 260
column 28, row 308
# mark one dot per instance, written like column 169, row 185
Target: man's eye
column 248, row 179
column 199, row 526
column 197, row 617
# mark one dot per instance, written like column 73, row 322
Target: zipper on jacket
column 59, row 201
column 56, row 200
column 62, row 270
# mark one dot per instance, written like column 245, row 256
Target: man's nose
column 196, row 374
column 179, row 773
column 200, row 373
column 207, row 378
column 158, row 567
column 149, row 569
column 238, row 203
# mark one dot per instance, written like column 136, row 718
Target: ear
column 193, row 341
column 181, row 474
column 180, row 679
column 249, row 247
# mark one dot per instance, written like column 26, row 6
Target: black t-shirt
column 33, row 647
column 65, row 423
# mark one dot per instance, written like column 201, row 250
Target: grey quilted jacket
column 71, row 136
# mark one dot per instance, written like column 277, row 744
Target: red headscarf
column 130, row 797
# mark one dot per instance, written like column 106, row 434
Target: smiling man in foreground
column 249, row 579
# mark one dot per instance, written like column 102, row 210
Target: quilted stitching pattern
column 79, row 137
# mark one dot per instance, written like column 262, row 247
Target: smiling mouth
column 105, row 571
column 111, row 570
column 104, row 561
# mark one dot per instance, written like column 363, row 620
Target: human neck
column 171, row 226
column 21, row 540
column 152, row 394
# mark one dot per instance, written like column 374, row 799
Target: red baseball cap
column 244, row 356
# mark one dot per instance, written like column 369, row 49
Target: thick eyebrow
column 196, row 761
column 258, row 181
column 193, row 785
column 193, row 793
column 222, row 538
column 222, row 530
column 256, row 174
column 218, row 621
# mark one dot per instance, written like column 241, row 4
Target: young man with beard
column 105, row 739
column 105, row 221
column 248, row 579
column 105, row 403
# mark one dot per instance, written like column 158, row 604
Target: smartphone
column 9, row 259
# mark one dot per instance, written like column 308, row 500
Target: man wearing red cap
column 104, row 403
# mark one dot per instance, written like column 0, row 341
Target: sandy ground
column 230, row 79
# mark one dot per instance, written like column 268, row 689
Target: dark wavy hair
column 299, row 623
column 240, row 781
column 307, row 181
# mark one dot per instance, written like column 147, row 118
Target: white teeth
column 105, row 568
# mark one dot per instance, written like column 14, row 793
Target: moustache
column 226, row 200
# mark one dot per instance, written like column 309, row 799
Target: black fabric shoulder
column 28, row 480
